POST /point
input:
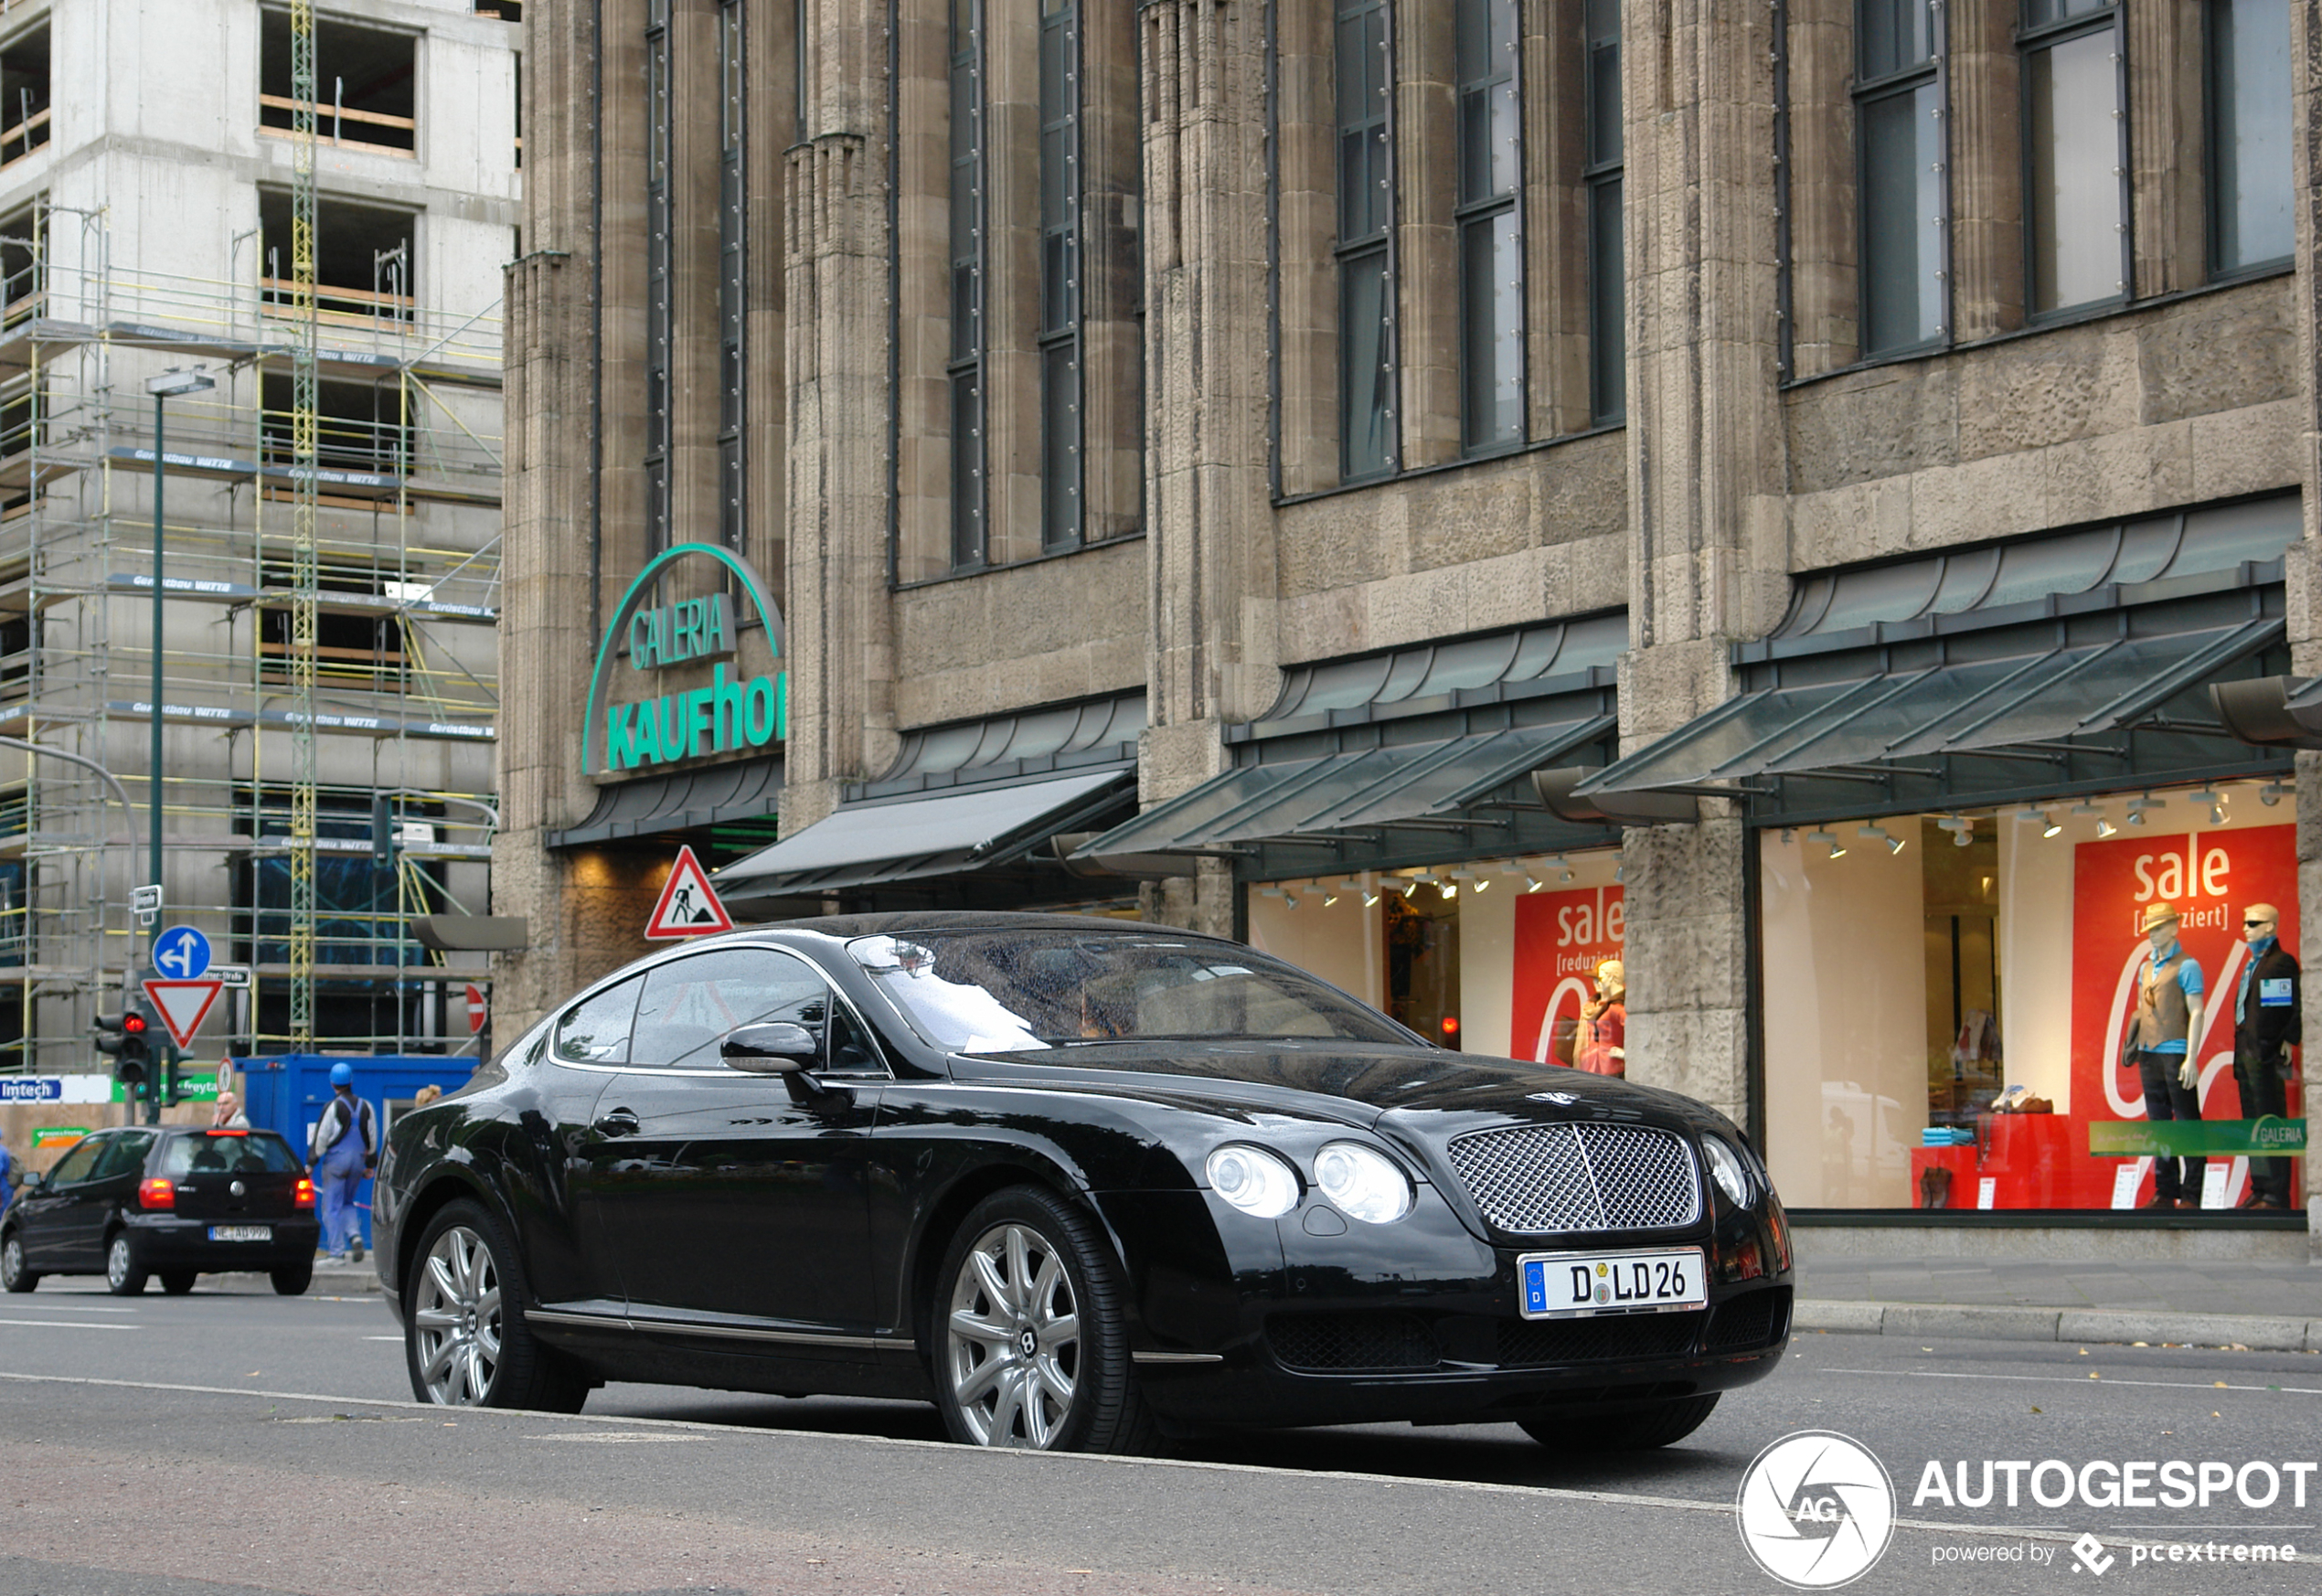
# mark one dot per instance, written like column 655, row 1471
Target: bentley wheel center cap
column 1027, row 1343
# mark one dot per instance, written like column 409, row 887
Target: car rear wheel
column 464, row 1336
column 1638, row 1429
column 178, row 1282
column 293, row 1279
column 14, row 1274
column 1032, row 1343
column 122, row 1277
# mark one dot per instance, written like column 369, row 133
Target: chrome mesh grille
column 1537, row 1178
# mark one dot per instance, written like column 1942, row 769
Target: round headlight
column 1727, row 1169
column 1255, row 1181
column 1361, row 1184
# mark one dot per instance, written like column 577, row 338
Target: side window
column 596, row 1030
column 850, row 1051
column 124, row 1154
column 690, row 1004
column 76, row 1165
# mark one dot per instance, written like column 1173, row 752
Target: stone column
column 2303, row 562
column 836, row 236
column 1211, row 657
column 1708, row 525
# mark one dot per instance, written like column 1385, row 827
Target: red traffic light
column 132, row 1024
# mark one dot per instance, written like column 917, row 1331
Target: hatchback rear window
column 242, row 1153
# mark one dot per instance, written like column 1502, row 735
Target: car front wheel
column 14, row 1274
column 1032, row 1347
column 464, row 1336
column 122, row 1277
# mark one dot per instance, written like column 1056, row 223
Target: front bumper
column 167, row 1241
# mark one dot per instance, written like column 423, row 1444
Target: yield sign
column 688, row 907
column 183, row 1005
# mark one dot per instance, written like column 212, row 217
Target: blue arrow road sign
column 181, row 952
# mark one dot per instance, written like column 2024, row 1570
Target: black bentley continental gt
column 1084, row 1185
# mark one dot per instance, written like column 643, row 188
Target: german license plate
column 1575, row 1285
column 241, row 1232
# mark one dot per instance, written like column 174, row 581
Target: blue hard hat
column 342, row 1075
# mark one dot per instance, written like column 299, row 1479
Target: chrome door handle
column 620, row 1122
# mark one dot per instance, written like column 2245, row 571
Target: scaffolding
column 331, row 608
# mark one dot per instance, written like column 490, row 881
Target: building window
column 732, row 230
column 1491, row 243
column 363, row 258
column 1060, row 273
column 2076, row 153
column 967, row 283
column 23, row 269
column 1365, row 251
column 365, row 84
column 658, row 133
column 24, row 96
column 361, row 427
column 1900, row 95
column 1601, row 175
column 2249, row 53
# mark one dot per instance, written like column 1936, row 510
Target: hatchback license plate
column 241, row 1232
column 1576, row 1285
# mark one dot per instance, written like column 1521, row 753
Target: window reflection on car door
column 747, row 1194
column 110, row 1186
column 42, row 1211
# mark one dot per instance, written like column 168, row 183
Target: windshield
column 1013, row 991
column 229, row 1153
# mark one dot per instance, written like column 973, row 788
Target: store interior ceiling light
column 1370, row 896
column 1620, row 873
column 1879, row 834
column 2050, row 825
column 1273, row 892
column 1449, row 890
column 2271, row 793
column 1829, row 837
column 1532, row 883
column 1563, row 868
column 2106, row 828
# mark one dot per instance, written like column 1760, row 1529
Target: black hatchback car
column 1083, row 1184
column 167, row 1200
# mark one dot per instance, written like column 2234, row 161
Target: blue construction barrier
column 287, row 1094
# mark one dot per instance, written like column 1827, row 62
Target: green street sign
column 2270, row 1137
column 56, row 1135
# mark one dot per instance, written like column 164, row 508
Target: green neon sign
column 732, row 713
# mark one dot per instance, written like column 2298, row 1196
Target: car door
column 748, row 1199
column 580, row 1159
column 91, row 1203
column 41, row 1211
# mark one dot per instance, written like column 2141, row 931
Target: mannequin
column 2265, row 1027
column 1601, row 1046
column 2161, row 1042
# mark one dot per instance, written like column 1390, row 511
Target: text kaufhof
column 2144, row 1483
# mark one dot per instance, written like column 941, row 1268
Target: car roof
column 896, row 923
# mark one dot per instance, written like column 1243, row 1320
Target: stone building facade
column 1283, row 389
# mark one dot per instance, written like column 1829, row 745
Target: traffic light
column 383, row 831
column 128, row 1039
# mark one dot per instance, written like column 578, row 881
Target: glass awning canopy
column 2042, row 697
column 1422, row 784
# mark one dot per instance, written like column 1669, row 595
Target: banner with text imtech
column 666, row 707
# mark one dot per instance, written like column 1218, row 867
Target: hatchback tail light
column 303, row 1194
column 157, row 1192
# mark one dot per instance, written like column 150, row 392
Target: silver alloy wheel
column 11, row 1262
column 117, row 1270
column 1013, row 1342
column 455, row 1314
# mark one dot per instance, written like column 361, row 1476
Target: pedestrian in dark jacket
column 2265, row 1026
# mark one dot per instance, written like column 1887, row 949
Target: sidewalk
column 2263, row 1306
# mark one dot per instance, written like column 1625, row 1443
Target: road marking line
column 1015, row 1457
column 62, row 1308
column 68, row 1324
column 615, row 1438
column 1930, row 1374
column 397, row 1338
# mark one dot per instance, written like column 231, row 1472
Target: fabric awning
column 2036, row 697
column 1357, row 788
column 935, row 833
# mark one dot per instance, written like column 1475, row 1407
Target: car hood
column 1426, row 1091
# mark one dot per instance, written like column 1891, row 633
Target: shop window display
column 2088, row 1005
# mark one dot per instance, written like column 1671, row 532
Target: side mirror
column 777, row 1048
column 32, row 1178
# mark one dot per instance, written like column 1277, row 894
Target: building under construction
column 311, row 211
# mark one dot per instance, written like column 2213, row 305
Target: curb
column 2250, row 1332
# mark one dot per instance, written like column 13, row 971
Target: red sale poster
column 2211, row 876
column 1561, row 938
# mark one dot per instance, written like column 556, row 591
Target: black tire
column 293, row 1279
column 177, row 1281
column 456, row 1358
column 15, row 1275
column 1638, row 1429
column 1002, row 1388
column 123, row 1276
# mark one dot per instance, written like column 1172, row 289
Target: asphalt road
column 232, row 1440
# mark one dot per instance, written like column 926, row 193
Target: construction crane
column 305, row 428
